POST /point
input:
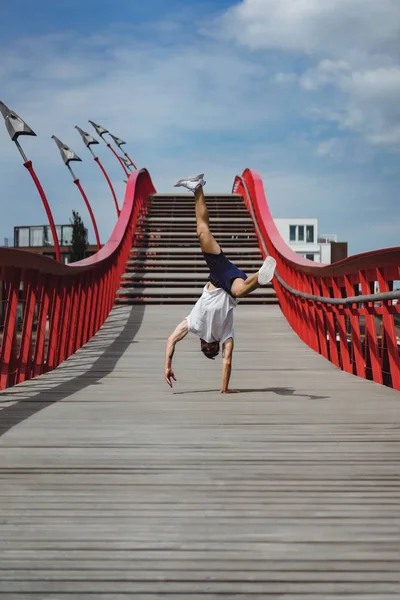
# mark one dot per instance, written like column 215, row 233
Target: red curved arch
column 363, row 340
column 63, row 306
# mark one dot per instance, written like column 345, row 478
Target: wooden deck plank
column 114, row 486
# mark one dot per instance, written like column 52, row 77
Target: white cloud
column 332, row 27
column 330, row 147
column 371, row 106
column 285, row 77
column 354, row 45
column 327, row 72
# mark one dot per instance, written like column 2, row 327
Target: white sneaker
column 266, row 273
column 191, row 183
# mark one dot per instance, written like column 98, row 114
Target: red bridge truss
column 63, row 305
column 333, row 308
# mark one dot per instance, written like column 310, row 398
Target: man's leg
column 241, row 287
column 208, row 243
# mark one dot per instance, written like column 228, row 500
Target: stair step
column 190, row 206
column 145, row 266
column 188, row 301
column 221, row 221
column 163, row 236
column 193, row 270
column 169, row 274
column 166, row 242
column 196, row 250
column 175, row 231
column 181, row 291
column 227, row 214
column 162, row 245
column 172, row 284
column 189, row 198
column 180, row 237
column 173, row 276
column 177, row 262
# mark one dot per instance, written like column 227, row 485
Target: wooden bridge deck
column 113, row 486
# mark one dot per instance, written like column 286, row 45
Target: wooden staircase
column 166, row 265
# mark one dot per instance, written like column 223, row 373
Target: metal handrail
column 379, row 297
column 382, row 296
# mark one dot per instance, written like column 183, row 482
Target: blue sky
column 302, row 91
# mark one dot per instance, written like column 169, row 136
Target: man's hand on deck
column 175, row 337
column 169, row 375
column 227, row 351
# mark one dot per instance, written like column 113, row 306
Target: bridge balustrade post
column 341, row 322
column 371, row 340
column 24, row 359
column 56, row 321
column 100, row 302
column 355, row 331
column 291, row 312
column 389, row 333
column 319, row 316
column 112, row 289
column 94, row 308
column 43, row 310
column 65, row 323
column 8, row 342
column 73, row 325
column 295, row 304
column 303, row 313
column 312, row 328
column 108, row 293
column 81, row 314
column 329, row 316
column 103, row 297
column 88, row 308
column 111, row 295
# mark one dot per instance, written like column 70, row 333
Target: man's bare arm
column 176, row 336
column 227, row 351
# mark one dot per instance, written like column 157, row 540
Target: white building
column 302, row 235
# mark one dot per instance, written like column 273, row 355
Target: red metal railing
column 50, row 310
column 320, row 301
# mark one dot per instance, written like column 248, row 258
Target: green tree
column 79, row 243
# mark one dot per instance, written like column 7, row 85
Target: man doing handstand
column 212, row 316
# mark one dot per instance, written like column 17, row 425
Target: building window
column 22, row 237
column 310, row 256
column 36, row 236
column 66, row 235
column 48, row 236
column 296, row 233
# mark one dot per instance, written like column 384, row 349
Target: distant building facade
column 302, row 236
column 39, row 239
